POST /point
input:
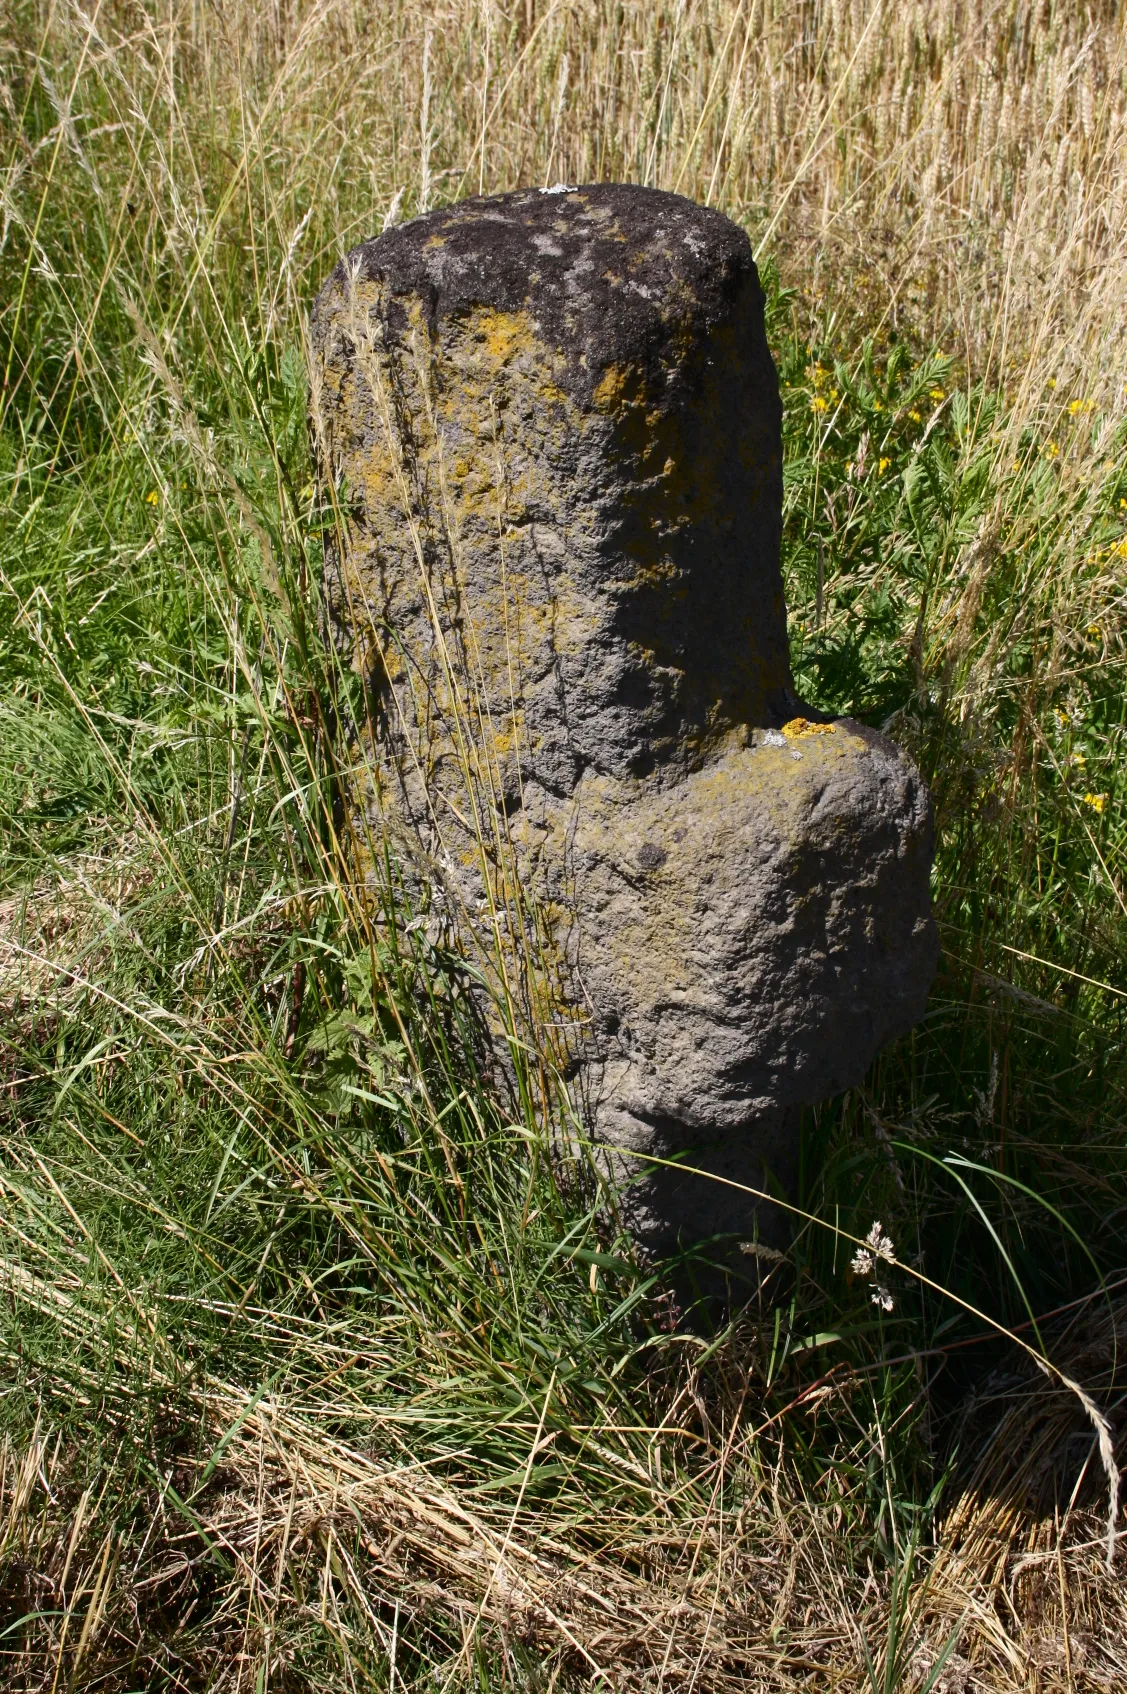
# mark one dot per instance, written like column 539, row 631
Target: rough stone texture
column 554, row 426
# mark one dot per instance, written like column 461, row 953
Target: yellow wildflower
column 819, row 404
column 1095, row 632
column 1122, row 548
column 883, row 466
column 877, row 406
column 915, row 417
column 152, row 498
column 1075, row 406
column 1098, row 802
column 1052, row 450
column 936, row 394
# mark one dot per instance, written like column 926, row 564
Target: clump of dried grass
column 288, row 1535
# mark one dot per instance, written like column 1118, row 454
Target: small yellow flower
column 1098, row 802
column 834, row 395
column 936, row 394
column 820, row 405
column 1075, row 406
column 1123, row 505
column 1052, row 382
column 1052, row 450
column 915, row 417
column 883, row 466
column 1121, row 550
column 152, row 498
column 877, row 406
column 1095, row 632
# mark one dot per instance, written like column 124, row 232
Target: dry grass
column 955, row 167
column 312, row 1536
column 177, row 181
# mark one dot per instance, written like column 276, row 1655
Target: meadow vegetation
column 322, row 1367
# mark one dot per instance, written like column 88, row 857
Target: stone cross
column 552, row 427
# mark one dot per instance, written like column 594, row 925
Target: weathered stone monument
column 553, row 427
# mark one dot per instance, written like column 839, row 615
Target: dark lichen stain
column 559, row 255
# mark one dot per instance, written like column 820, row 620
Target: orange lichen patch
column 798, row 727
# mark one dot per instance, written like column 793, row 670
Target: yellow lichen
column 504, row 333
column 798, row 727
column 610, row 393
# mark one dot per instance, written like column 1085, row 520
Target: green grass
column 272, row 1231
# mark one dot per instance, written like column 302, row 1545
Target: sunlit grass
column 325, row 1365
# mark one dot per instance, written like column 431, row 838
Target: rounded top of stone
column 607, row 269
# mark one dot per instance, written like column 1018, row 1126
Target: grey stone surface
column 555, row 429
